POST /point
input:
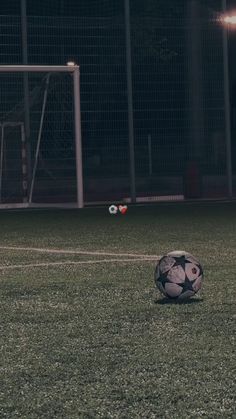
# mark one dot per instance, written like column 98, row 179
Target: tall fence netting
column 178, row 95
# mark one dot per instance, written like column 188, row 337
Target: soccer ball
column 178, row 275
column 113, row 209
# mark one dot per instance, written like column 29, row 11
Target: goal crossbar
column 38, row 68
column 75, row 71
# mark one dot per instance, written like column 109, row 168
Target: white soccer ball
column 178, row 275
column 113, row 209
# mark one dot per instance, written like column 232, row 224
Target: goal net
column 40, row 143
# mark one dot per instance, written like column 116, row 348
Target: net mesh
column 55, row 165
column 178, row 89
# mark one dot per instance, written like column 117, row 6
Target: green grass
column 92, row 341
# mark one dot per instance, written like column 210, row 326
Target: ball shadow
column 165, row 300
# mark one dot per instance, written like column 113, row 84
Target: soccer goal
column 40, row 126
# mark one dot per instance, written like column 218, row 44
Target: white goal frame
column 75, row 72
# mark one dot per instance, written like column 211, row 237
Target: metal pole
column 227, row 107
column 130, row 101
column 25, row 62
column 150, row 154
column 78, row 139
column 63, row 55
column 24, row 164
column 1, row 159
column 39, row 139
column 25, row 80
column 195, row 80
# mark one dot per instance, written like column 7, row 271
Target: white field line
column 88, row 262
column 77, row 252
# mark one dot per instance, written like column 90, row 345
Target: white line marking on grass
column 76, row 252
column 40, row 265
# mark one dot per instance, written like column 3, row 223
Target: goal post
column 52, row 101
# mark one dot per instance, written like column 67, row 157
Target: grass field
column 91, row 340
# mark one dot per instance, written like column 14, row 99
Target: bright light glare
column 230, row 20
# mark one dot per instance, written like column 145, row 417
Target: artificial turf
column 93, row 340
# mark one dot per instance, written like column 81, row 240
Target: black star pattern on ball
column 163, row 278
column 192, row 272
column 180, row 261
column 187, row 285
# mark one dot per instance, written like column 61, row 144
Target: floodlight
column 71, row 63
column 230, row 20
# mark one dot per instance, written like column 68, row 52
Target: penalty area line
column 75, row 252
column 85, row 262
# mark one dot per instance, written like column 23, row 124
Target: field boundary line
column 76, row 252
column 84, row 262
